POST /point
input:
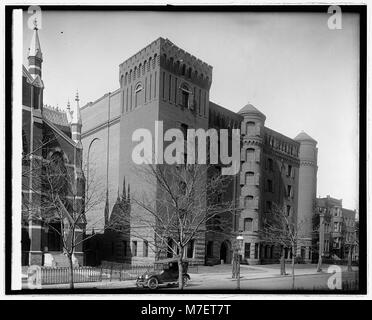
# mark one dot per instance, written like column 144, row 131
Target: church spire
column 76, row 123
column 35, row 56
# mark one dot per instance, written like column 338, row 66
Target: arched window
column 149, row 66
column 189, row 73
column 249, row 178
column 250, row 129
column 135, row 73
column 138, row 95
column 130, row 76
column 139, row 70
column 250, row 154
column 185, row 95
column 196, row 74
column 183, row 69
column 248, row 200
column 154, row 61
column 144, row 67
column 56, row 175
column 248, row 224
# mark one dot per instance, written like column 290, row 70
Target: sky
column 291, row 66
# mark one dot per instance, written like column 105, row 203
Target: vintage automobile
column 165, row 273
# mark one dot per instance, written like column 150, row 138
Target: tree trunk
column 349, row 268
column 180, row 270
column 319, row 267
column 282, row 263
column 293, row 267
column 71, row 271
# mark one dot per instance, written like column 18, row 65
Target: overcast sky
column 299, row 73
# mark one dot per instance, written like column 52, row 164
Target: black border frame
column 359, row 9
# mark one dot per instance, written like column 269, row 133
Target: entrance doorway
column 225, row 252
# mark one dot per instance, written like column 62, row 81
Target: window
column 248, row 201
column 289, row 171
column 289, row 191
column 288, row 211
column 250, row 154
column 249, row 178
column 210, row 249
column 251, row 126
column 125, row 253
column 248, row 222
column 183, row 69
column 145, row 248
column 270, row 164
column 138, row 96
column 269, row 185
column 247, row 250
column 256, row 250
column 169, row 248
column 134, row 248
column 268, row 206
column 185, row 95
column 190, row 249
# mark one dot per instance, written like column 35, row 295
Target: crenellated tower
column 250, row 181
column 76, row 123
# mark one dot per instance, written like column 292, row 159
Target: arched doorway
column 225, row 251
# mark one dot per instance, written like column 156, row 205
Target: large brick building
column 164, row 82
column 49, row 135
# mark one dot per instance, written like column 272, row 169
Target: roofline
column 61, row 133
column 116, row 91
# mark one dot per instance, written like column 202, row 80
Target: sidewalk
column 220, row 273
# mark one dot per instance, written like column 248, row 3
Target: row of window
column 134, row 248
column 135, row 96
column 172, row 249
column 181, row 93
column 281, row 145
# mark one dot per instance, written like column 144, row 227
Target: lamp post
column 87, row 179
column 239, row 240
column 321, row 239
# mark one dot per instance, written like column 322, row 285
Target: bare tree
column 187, row 197
column 284, row 230
column 60, row 198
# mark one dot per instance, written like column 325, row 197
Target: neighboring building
column 339, row 232
column 48, row 134
column 163, row 82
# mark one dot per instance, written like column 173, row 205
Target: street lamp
column 240, row 241
column 321, row 239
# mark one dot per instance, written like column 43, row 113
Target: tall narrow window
column 126, row 101
column 163, row 89
column 270, row 164
column 155, row 77
column 250, row 130
column 247, row 250
column 269, row 185
column 150, row 87
column 145, row 248
column 185, row 95
column 248, row 224
column 169, row 88
column 138, row 95
column 250, row 154
column 190, row 249
column 288, row 210
column 131, row 97
column 199, row 103
column 289, row 170
column 289, row 191
column 248, row 201
column 249, row 178
column 175, row 90
column 134, row 248
column 145, row 90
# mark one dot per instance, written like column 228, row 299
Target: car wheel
column 185, row 281
column 153, row 283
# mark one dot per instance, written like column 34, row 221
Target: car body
column 165, row 273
